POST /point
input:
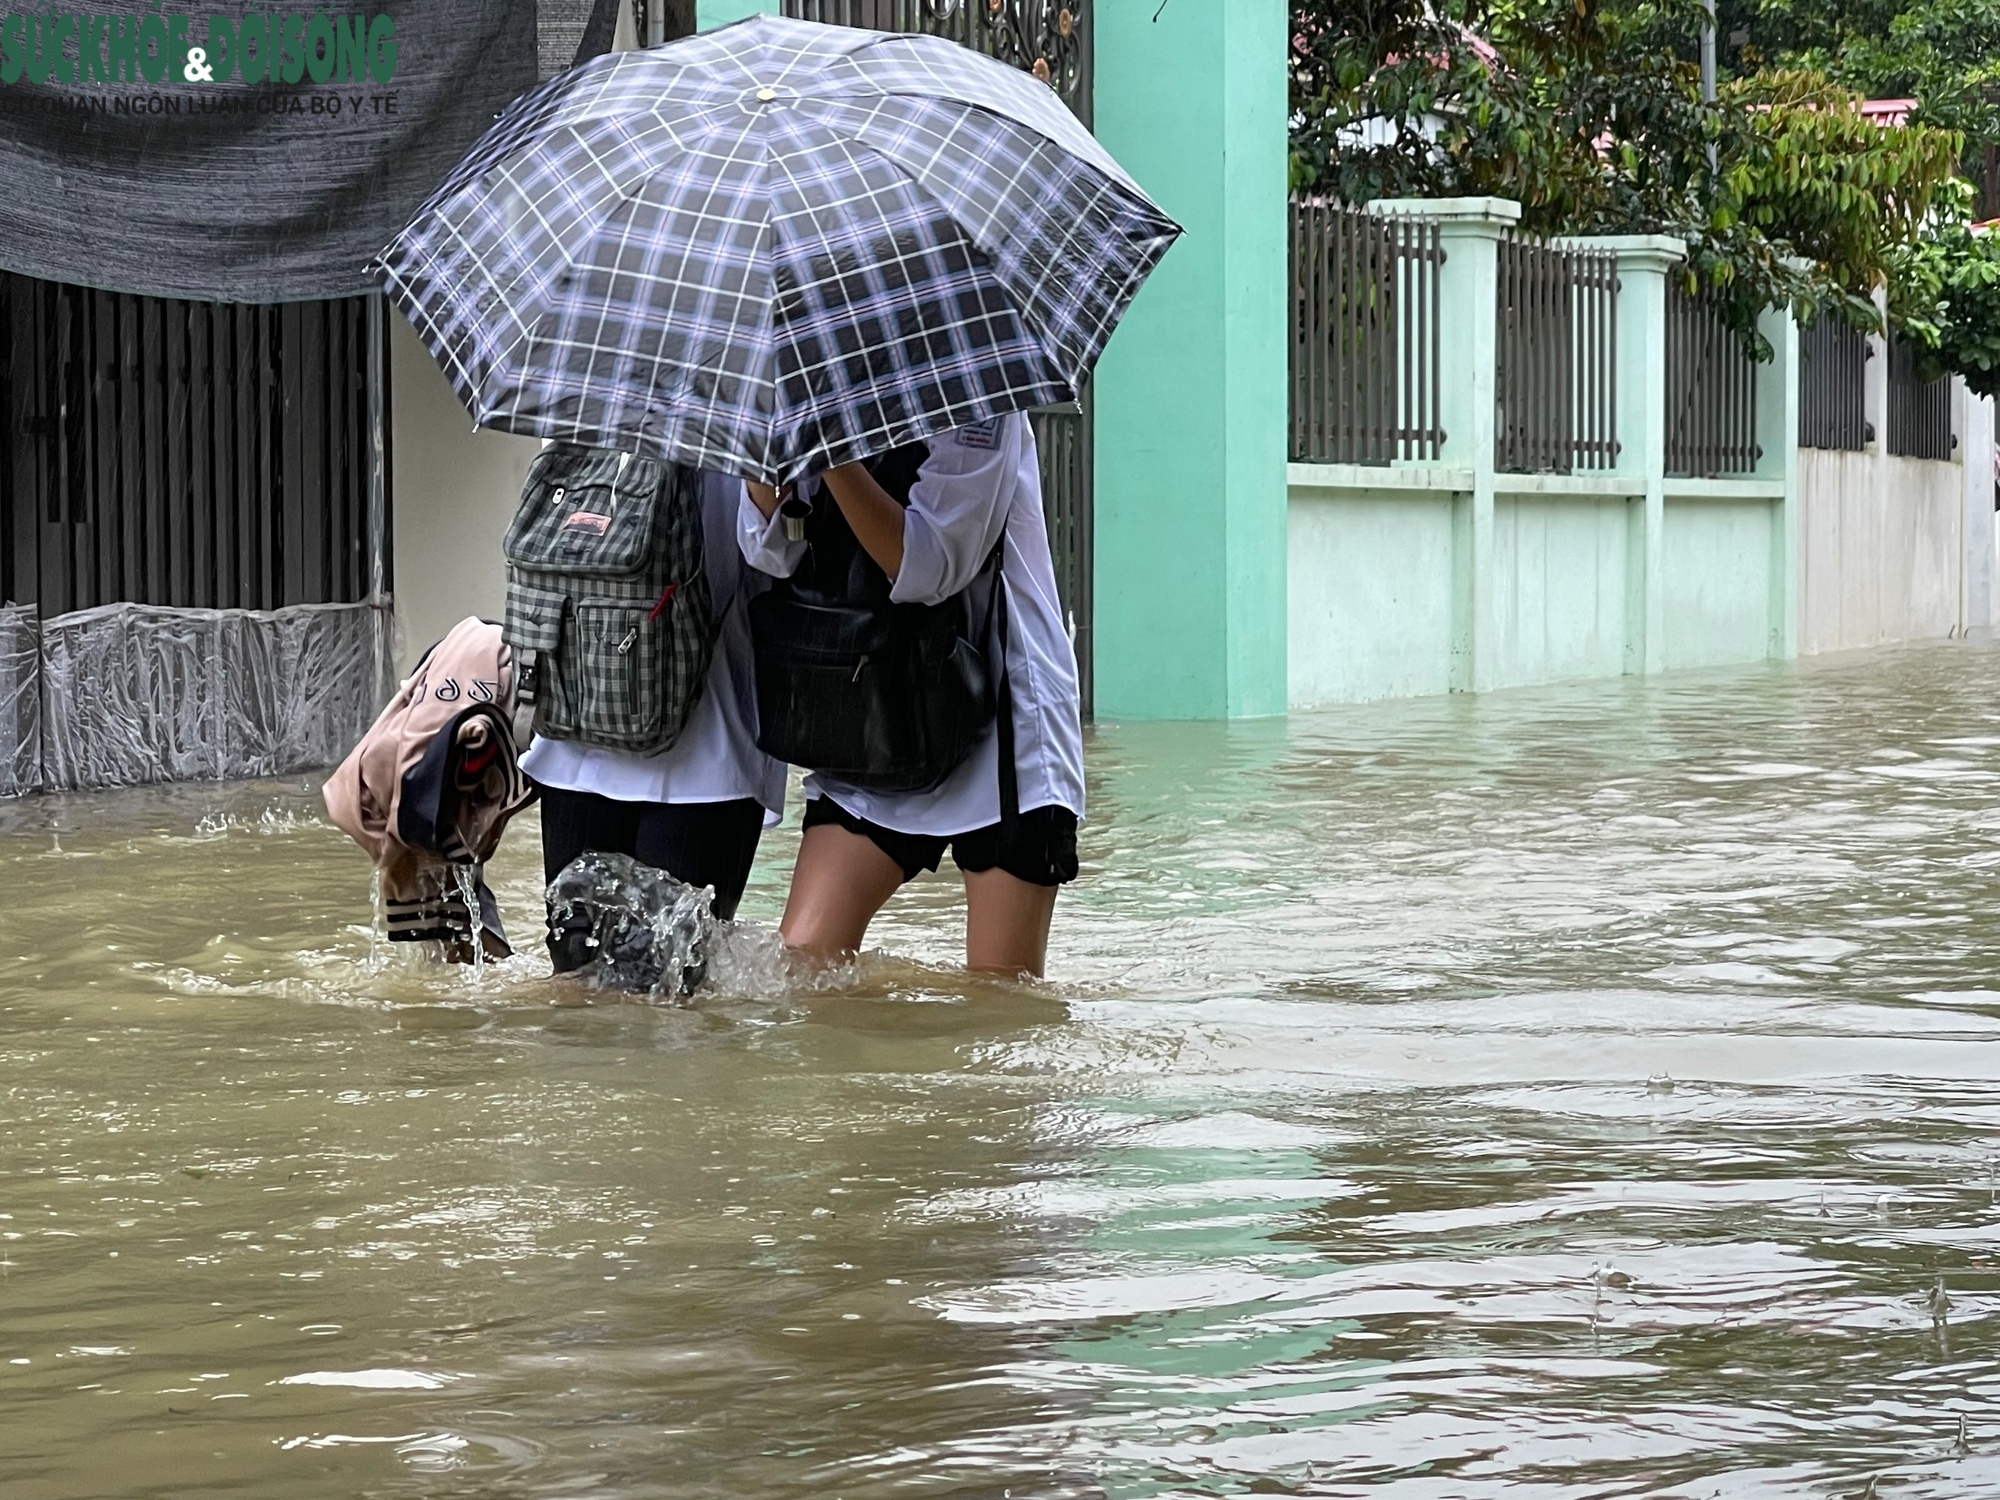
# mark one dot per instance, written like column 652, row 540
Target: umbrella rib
column 439, row 342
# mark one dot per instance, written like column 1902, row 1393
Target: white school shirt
column 716, row 758
column 977, row 481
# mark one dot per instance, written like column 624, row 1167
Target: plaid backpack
column 606, row 587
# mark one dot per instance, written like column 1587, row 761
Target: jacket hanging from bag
column 430, row 788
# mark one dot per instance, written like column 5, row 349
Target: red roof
column 1888, row 111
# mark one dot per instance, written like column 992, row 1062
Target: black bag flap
column 786, row 627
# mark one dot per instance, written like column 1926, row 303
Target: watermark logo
column 153, row 48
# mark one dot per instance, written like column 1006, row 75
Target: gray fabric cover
column 135, row 693
column 250, row 206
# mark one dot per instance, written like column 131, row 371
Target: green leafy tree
column 1589, row 112
column 1944, row 54
column 1801, row 164
column 1946, row 299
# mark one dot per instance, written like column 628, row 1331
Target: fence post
column 1643, row 263
column 1975, row 453
column 1778, row 438
column 1471, row 229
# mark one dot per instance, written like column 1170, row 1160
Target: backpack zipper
column 858, row 666
column 631, row 639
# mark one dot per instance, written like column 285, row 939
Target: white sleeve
column 762, row 539
column 958, row 509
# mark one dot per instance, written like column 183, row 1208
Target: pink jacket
column 432, row 785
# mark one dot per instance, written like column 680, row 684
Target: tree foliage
column 1804, row 166
column 1947, row 301
column 1590, row 113
column 1944, row 54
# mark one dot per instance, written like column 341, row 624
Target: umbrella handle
column 793, row 511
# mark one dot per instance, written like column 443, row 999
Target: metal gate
column 1051, row 39
column 189, row 454
column 194, row 518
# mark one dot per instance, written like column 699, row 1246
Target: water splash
column 378, row 919
column 647, row 932
column 274, row 819
column 465, row 882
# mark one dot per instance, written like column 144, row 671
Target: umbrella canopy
column 773, row 248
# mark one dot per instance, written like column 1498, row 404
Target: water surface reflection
column 1571, row 1093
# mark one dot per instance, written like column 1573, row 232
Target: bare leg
column 1007, row 923
column 840, row 881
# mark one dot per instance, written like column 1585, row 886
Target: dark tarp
column 209, row 191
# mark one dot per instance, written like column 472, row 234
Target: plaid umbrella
column 773, row 248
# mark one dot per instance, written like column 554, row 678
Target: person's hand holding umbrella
column 871, row 512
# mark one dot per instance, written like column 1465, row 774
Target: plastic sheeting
column 20, row 702
column 135, row 693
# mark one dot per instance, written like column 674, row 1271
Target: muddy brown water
column 1574, row 1092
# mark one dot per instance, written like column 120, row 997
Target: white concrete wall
column 1372, row 597
column 1879, row 549
column 452, row 492
column 1560, row 588
column 1382, row 579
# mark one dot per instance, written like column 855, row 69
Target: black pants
column 701, row 843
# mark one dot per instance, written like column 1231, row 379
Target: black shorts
column 1042, row 851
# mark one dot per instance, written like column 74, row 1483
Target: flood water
column 1562, row 1093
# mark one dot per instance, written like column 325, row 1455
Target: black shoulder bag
column 881, row 695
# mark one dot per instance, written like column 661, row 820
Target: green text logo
column 324, row 48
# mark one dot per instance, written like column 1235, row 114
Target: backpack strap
column 1003, row 698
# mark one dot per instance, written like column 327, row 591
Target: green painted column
column 709, row 14
column 1190, row 397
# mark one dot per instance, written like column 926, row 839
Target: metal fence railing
column 1365, row 336
column 1711, row 391
column 1919, row 410
column 1833, row 386
column 1049, row 38
column 1062, row 441
column 1556, row 388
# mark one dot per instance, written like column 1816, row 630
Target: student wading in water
column 946, row 523
column 652, row 645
